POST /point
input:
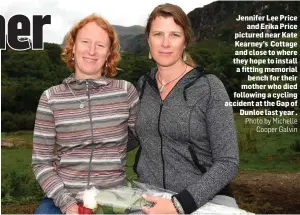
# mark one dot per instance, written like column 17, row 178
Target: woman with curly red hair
column 81, row 127
column 108, row 36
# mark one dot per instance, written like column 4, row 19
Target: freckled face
column 166, row 41
column 91, row 49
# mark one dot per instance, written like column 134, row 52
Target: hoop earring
column 184, row 57
column 150, row 56
column 73, row 58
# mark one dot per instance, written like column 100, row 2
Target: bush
column 296, row 146
column 19, row 185
column 17, row 121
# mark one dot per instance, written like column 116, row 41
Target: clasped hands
column 161, row 206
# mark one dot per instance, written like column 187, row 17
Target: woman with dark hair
column 81, row 127
column 187, row 135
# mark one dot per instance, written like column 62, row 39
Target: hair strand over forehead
column 179, row 16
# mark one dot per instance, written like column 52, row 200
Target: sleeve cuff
column 69, row 204
column 187, row 201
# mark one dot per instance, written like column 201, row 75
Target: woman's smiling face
column 91, row 49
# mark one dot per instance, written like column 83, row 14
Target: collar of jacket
column 187, row 78
column 78, row 84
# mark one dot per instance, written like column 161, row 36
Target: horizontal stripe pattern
column 63, row 142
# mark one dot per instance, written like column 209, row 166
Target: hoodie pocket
column 196, row 160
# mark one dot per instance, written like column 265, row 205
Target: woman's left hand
column 162, row 206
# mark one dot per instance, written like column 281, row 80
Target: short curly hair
column 113, row 59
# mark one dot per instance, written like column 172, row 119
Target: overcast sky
column 65, row 13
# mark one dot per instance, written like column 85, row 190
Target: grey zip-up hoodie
column 187, row 141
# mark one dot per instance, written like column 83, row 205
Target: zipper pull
column 87, row 87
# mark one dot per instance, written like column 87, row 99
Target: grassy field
column 275, row 151
column 259, row 152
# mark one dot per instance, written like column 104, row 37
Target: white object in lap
column 221, row 204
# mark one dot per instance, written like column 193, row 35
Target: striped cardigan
column 66, row 136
